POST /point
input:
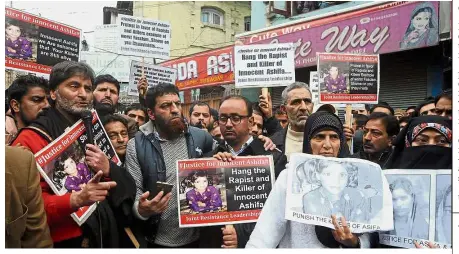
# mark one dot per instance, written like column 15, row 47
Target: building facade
column 407, row 74
column 196, row 27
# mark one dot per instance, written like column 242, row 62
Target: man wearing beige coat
column 25, row 217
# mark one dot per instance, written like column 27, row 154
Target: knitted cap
column 321, row 121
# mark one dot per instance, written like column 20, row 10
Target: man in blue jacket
column 151, row 157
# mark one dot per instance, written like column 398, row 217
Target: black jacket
column 271, row 126
column 112, row 214
column 153, row 169
column 214, row 235
column 382, row 160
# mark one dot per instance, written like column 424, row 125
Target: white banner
column 108, row 63
column 144, row 37
column 319, row 187
column 106, row 38
column 422, row 208
column 154, row 74
column 267, row 65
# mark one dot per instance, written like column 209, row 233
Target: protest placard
column 144, row 37
column 154, row 74
column 422, row 208
column 268, row 65
column 212, row 192
column 36, row 44
column 348, row 78
column 62, row 162
column 319, row 187
column 106, row 38
column 108, row 63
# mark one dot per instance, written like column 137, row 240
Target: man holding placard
column 234, row 119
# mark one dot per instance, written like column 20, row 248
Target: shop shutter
column 403, row 78
column 276, row 95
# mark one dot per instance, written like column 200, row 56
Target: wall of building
column 189, row 35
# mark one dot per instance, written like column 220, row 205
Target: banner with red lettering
column 213, row 192
column 209, row 68
column 380, row 29
column 348, row 78
column 36, row 44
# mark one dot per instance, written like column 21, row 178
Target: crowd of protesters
column 149, row 139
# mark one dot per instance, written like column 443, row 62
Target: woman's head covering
column 406, row 156
column 321, row 121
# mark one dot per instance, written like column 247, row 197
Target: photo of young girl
column 69, row 172
column 201, row 192
column 20, row 41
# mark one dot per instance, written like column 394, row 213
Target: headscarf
column 317, row 122
column 406, row 156
column 321, row 121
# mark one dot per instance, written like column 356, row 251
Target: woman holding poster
column 323, row 136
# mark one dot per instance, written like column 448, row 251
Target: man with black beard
column 26, row 99
column 151, row 157
column 106, row 95
column 70, row 87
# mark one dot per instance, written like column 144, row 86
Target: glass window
column 212, row 16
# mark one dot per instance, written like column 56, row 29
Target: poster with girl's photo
column 348, row 78
column 212, row 192
column 35, row 44
column 421, row 208
column 21, row 40
column 63, row 166
column 353, row 189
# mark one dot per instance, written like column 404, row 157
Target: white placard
column 314, row 86
column 422, row 208
column 319, row 187
column 108, row 63
column 144, row 37
column 106, row 38
column 267, row 65
column 155, row 74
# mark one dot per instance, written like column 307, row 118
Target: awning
column 375, row 29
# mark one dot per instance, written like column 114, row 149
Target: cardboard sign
column 144, row 37
column 348, row 78
column 36, row 44
column 154, row 74
column 264, row 65
column 212, row 192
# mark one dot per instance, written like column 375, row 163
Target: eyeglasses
column 235, row 119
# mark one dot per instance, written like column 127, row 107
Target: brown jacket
column 25, row 217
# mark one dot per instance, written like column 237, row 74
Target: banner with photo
column 319, row 187
column 62, row 162
column 36, row 44
column 269, row 65
column 212, row 192
column 348, row 78
column 422, row 208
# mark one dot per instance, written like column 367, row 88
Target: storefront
column 410, row 69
